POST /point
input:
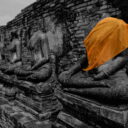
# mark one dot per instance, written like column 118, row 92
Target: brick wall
column 77, row 16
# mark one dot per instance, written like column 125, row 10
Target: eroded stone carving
column 14, row 49
column 106, row 83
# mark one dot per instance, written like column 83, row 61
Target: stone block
column 114, row 115
column 71, row 121
column 58, row 125
column 95, row 113
column 38, row 124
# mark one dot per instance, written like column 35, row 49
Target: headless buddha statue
column 14, row 59
column 11, row 61
column 40, row 69
column 41, row 46
column 101, row 74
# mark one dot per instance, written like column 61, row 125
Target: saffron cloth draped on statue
column 106, row 40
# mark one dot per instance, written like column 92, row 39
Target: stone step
column 13, row 116
column 71, row 121
column 58, row 125
column 48, row 103
column 40, row 116
column 93, row 113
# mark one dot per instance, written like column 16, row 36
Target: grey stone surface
column 95, row 113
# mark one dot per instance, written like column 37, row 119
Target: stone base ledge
column 92, row 112
column 13, row 116
column 71, row 121
column 40, row 116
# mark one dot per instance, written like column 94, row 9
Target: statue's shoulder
column 38, row 34
column 17, row 42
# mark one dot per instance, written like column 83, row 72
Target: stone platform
column 37, row 100
column 12, row 116
column 43, row 109
column 92, row 113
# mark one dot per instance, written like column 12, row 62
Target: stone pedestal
column 93, row 113
column 39, row 100
column 43, row 109
column 8, row 87
column 43, row 104
column 12, row 116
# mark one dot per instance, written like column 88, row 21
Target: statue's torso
column 55, row 42
column 37, row 41
column 13, row 52
column 37, row 53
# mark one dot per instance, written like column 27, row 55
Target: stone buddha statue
column 14, row 60
column 44, row 48
column 91, row 78
column 40, row 69
column 105, row 83
column 40, row 75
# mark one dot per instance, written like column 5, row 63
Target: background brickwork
column 77, row 17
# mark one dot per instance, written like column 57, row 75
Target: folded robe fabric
column 106, row 40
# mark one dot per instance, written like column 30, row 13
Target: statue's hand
column 29, row 68
column 65, row 76
column 101, row 75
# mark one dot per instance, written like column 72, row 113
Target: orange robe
column 106, row 40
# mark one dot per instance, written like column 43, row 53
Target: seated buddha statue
column 11, row 53
column 43, row 47
column 101, row 74
column 14, row 60
column 40, row 69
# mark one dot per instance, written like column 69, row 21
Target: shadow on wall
column 123, row 6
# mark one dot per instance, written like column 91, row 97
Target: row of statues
column 41, row 51
column 106, row 83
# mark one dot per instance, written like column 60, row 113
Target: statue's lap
column 115, row 94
